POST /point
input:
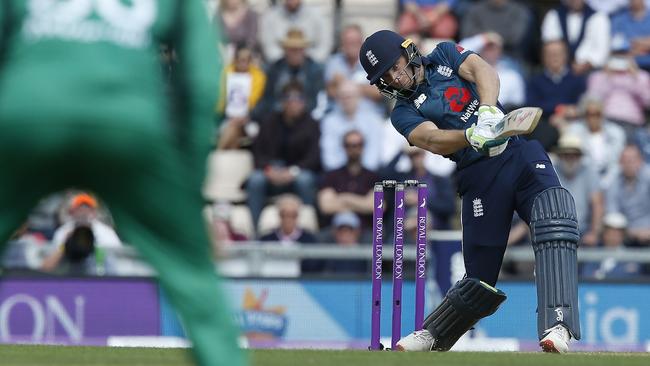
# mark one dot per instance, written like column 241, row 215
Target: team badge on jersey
column 445, row 71
column 418, row 102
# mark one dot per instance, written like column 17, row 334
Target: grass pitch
column 14, row 355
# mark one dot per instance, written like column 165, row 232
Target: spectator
column 81, row 236
column 429, row 18
column 345, row 65
column 347, row 232
column 239, row 24
column 244, row 86
column 585, row 32
column 512, row 91
column 285, row 153
column 351, row 113
column 604, row 140
column 629, row 194
column 625, row 91
column 295, row 65
column 613, row 238
column 289, row 233
column 350, row 187
column 631, row 30
column 293, row 14
column 556, row 90
column 510, row 19
column 581, row 179
column 441, row 197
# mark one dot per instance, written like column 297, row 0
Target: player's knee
column 553, row 217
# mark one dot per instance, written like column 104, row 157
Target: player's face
column 399, row 76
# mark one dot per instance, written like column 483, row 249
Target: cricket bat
column 521, row 121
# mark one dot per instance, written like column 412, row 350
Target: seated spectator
column 239, row 24
column 347, row 233
column 604, row 140
column 556, row 90
column 512, row 92
column 580, row 178
column 510, row 19
column 613, row 238
column 345, row 66
column 628, row 194
column 585, row 32
column 294, row 14
column 349, row 188
column 350, row 113
column 244, row 86
column 82, row 236
column 294, row 66
column 290, row 233
column 625, row 91
column 441, row 196
column 429, row 18
column 631, row 30
column 286, row 153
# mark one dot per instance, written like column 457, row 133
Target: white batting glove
column 481, row 138
column 489, row 115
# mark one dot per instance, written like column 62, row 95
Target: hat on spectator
column 295, row 38
column 346, row 218
column 615, row 220
column 83, row 199
column 568, row 144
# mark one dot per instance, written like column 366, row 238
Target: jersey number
column 132, row 15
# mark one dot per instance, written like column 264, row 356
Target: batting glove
column 481, row 138
column 489, row 115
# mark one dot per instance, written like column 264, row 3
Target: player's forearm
column 443, row 142
column 487, row 85
column 476, row 70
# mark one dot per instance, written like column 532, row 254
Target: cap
column 83, row 199
column 346, row 218
column 615, row 220
column 295, row 38
column 569, row 144
column 379, row 52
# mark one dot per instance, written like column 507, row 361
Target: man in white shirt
column 585, row 31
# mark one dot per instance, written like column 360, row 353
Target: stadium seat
column 270, row 219
column 227, row 171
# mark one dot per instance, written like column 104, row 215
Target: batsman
column 84, row 103
column 447, row 104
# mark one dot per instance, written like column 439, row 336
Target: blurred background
column 302, row 138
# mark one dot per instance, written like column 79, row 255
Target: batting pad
column 466, row 303
column 554, row 233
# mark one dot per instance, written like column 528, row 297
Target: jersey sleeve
column 405, row 119
column 450, row 54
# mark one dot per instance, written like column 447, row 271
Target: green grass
column 12, row 355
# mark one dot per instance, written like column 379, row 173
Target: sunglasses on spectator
column 351, row 145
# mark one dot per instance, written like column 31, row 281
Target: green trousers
column 155, row 200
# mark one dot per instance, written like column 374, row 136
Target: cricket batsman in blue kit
column 447, row 104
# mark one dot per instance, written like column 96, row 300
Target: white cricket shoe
column 420, row 340
column 556, row 340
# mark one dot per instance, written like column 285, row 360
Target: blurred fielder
column 83, row 103
column 447, row 104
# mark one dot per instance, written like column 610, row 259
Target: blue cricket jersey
column 444, row 98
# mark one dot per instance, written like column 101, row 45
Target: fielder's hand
column 489, row 115
column 481, row 138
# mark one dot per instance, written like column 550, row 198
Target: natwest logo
column 457, row 98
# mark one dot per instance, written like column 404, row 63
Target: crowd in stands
column 303, row 136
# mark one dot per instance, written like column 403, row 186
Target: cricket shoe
column 420, row 340
column 556, row 339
